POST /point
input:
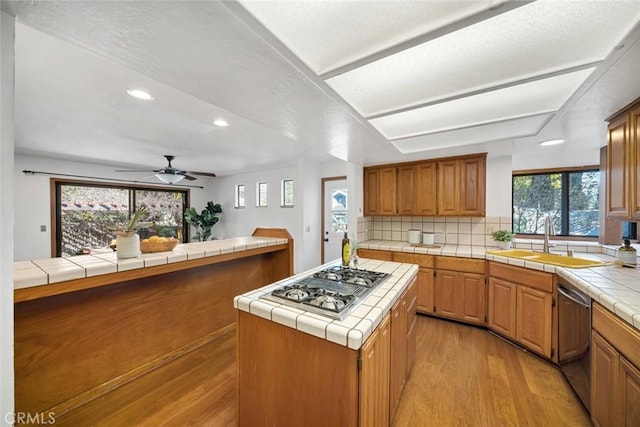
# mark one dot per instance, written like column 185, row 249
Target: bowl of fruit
column 158, row 244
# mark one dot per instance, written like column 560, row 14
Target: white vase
column 128, row 246
column 504, row 245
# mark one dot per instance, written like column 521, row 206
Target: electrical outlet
column 43, row 228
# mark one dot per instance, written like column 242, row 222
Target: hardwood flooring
column 465, row 376
column 462, row 376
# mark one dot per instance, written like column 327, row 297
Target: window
column 570, row 198
column 286, row 193
column 261, row 194
column 87, row 214
column 339, row 210
column 239, row 196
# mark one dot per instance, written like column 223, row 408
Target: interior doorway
column 335, row 220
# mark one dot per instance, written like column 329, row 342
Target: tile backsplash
column 447, row 230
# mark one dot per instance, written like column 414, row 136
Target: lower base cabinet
column 615, row 374
column 374, row 377
column 460, row 290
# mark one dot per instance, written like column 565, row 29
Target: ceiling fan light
column 221, row 122
column 169, row 178
column 140, row 94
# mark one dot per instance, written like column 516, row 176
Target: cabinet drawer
column 464, row 265
column 425, row 261
column 622, row 336
column 522, row 276
column 374, row 254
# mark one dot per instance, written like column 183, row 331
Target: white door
column 335, row 217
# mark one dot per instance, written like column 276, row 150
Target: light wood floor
column 462, row 376
column 465, row 376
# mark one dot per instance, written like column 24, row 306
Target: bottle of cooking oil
column 346, row 250
column 627, row 254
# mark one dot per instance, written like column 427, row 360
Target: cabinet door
column 407, row 191
column 398, row 367
column 371, row 190
column 445, row 293
column 425, row 291
column 604, row 373
column 374, row 377
column 533, row 319
column 388, row 191
column 473, row 299
column 472, row 186
column 411, row 328
column 448, row 187
column 426, row 189
column 502, row 307
column 629, row 394
column 634, row 164
column 617, row 169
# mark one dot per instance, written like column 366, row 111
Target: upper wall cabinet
column 623, row 163
column 440, row 187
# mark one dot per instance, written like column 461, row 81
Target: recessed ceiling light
column 221, row 123
column 140, row 94
column 551, row 142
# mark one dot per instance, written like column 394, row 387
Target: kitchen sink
column 553, row 259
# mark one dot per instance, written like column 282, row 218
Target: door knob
column 326, row 240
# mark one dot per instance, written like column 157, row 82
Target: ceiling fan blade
column 190, row 178
column 134, row 170
column 209, row 174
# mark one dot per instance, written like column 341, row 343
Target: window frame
column 56, row 205
column 283, row 202
column 237, row 204
column 258, row 193
column 564, row 201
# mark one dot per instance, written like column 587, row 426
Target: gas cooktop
column 334, row 292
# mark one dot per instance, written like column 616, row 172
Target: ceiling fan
column 169, row 174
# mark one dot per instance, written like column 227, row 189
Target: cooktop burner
column 332, row 292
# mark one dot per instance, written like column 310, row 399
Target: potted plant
column 204, row 221
column 127, row 239
column 503, row 237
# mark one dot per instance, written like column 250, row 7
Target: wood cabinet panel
column 407, row 190
column 426, row 261
column 426, row 189
column 472, row 186
column 533, row 319
column 522, row 276
column 634, row 162
column 371, row 192
column 445, row 293
column 466, row 265
column 460, row 295
column 621, row 335
column 629, row 394
column 375, row 254
column 412, row 299
column 604, row 374
column 425, row 285
column 448, row 187
column 617, row 170
column 374, row 377
column 388, row 191
column 398, row 366
column 474, row 297
column 502, row 307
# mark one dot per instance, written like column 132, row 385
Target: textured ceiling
column 368, row 82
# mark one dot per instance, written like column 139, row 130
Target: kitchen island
column 101, row 341
column 300, row 368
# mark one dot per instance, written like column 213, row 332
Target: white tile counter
column 616, row 288
column 54, row 270
column 351, row 332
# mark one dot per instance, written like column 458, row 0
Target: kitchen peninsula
column 118, row 342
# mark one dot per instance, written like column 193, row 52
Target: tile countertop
column 616, row 288
column 52, row 270
column 351, row 332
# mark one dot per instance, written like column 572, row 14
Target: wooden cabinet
column 460, row 289
column 502, row 307
column 425, row 303
column 521, row 306
column 461, row 186
column 441, row 187
column 623, row 163
column 412, row 299
column 398, row 367
column 374, row 377
column 380, row 191
column 615, row 372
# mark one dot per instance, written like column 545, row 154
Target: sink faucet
column 548, row 230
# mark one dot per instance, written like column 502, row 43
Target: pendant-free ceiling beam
column 423, row 38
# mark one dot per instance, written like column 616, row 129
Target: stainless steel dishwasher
column 574, row 339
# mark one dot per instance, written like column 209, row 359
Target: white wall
column 6, row 217
column 499, row 200
column 311, row 214
column 34, row 209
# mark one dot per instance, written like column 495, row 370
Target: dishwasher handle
column 574, row 296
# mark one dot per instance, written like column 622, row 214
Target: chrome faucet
column 548, row 230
